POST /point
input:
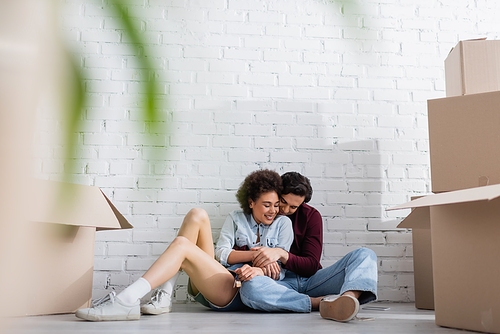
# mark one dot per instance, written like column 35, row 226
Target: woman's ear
column 250, row 203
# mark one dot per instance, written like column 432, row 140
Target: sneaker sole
column 155, row 311
column 121, row 317
column 341, row 309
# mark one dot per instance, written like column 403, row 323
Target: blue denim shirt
column 240, row 230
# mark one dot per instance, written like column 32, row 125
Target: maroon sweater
column 305, row 252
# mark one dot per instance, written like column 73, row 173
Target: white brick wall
column 337, row 92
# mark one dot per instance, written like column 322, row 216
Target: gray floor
column 186, row 318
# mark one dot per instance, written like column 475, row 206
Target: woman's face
column 265, row 208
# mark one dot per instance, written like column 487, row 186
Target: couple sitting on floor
column 272, row 245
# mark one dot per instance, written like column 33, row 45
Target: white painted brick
column 296, row 80
column 187, row 64
column 232, row 141
column 218, row 196
column 248, row 156
column 139, row 263
column 249, row 85
column 273, row 143
column 115, row 181
column 245, row 5
column 259, row 79
column 204, row 154
column 127, row 249
column 308, row 68
column 144, row 221
column 252, row 130
column 104, row 263
column 189, row 140
column 254, row 105
column 164, row 182
column 268, row 17
column 227, row 66
column 280, row 92
column 229, row 91
column 397, row 265
column 323, row 32
column 133, row 195
column 289, row 157
column 226, row 16
column 153, row 236
column 398, row 238
column 268, row 67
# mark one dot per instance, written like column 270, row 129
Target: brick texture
column 335, row 91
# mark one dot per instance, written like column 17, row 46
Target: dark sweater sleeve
column 306, row 260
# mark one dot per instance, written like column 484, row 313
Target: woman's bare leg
column 196, row 227
column 209, row 276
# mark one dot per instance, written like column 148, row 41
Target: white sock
column 135, row 291
column 169, row 285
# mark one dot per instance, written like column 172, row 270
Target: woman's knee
column 197, row 215
column 180, row 241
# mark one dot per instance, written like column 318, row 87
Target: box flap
column 73, row 204
column 486, row 193
column 418, row 218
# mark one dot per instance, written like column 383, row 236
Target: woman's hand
column 264, row 256
column 246, row 272
column 273, row 270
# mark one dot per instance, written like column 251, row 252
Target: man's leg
column 265, row 294
column 355, row 274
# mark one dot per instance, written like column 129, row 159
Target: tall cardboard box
column 62, row 220
column 464, row 141
column 419, row 221
column 473, row 66
column 465, row 228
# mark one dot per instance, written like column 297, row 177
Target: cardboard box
column 62, row 220
column 465, row 230
column 464, row 140
column 473, row 66
column 419, row 221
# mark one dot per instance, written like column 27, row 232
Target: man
column 354, row 277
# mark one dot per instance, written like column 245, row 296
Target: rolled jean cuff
column 367, row 295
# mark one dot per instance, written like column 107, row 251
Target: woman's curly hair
column 255, row 184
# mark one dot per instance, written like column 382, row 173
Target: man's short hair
column 297, row 184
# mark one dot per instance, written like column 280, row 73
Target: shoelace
column 156, row 296
column 108, row 298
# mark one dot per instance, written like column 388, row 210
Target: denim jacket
column 240, row 230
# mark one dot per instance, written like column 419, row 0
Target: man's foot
column 110, row 308
column 161, row 302
column 339, row 308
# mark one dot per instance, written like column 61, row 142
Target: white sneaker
column 110, row 308
column 161, row 302
column 339, row 308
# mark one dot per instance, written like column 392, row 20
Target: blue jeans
column 355, row 271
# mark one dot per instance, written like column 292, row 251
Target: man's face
column 289, row 203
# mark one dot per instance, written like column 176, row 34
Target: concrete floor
column 188, row 318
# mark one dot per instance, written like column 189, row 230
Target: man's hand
column 246, row 272
column 264, row 256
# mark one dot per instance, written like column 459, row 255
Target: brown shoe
column 339, row 308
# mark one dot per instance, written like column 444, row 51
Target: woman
column 257, row 224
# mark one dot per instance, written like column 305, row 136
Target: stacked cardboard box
column 464, row 212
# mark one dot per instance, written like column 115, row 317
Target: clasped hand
column 264, row 264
